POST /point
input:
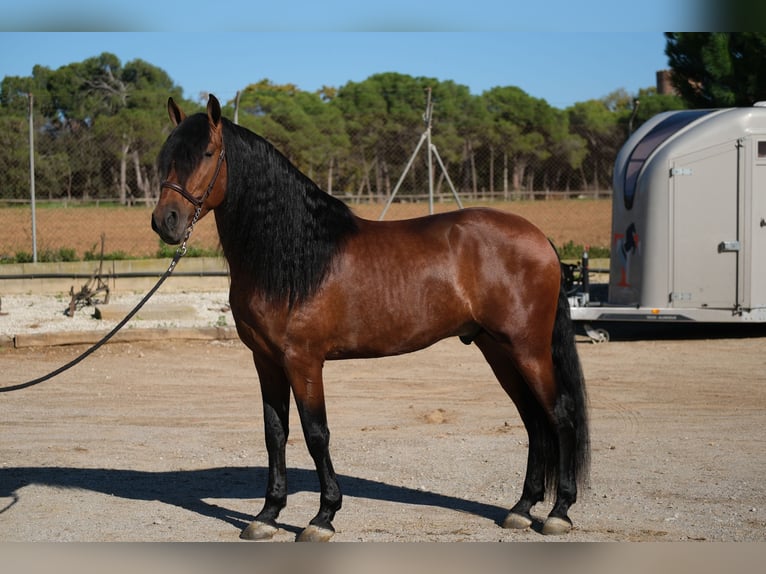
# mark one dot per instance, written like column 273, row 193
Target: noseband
column 196, row 201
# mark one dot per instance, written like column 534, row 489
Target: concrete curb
column 130, row 275
column 150, row 312
column 126, row 335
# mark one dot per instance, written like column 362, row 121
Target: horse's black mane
column 275, row 224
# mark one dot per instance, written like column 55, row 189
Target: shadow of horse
column 188, row 489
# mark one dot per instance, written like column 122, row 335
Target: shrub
column 571, row 251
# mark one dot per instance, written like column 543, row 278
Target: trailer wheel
column 596, row 335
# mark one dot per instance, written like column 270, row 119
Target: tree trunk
column 505, row 175
column 595, row 174
column 519, row 169
column 123, row 185
column 142, row 182
column 386, row 178
column 474, row 175
column 529, row 186
column 365, row 180
column 69, row 184
column 379, row 178
column 491, row 169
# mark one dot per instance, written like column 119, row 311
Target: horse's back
column 485, row 224
column 487, row 244
column 495, row 245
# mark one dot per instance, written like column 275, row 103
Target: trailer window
column 650, row 142
column 762, row 150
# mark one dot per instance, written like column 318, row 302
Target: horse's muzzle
column 169, row 225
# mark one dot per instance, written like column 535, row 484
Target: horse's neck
column 220, row 223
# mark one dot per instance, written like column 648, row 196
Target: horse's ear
column 214, row 120
column 176, row 114
column 213, row 111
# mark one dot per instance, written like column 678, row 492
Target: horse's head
column 193, row 170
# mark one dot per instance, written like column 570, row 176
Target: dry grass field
column 128, row 230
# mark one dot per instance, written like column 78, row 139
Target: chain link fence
column 75, row 232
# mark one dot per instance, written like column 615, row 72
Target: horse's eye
column 208, row 153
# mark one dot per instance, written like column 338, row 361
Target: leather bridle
column 197, row 202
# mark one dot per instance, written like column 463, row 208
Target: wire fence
column 73, row 231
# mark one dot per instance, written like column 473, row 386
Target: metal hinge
column 681, row 171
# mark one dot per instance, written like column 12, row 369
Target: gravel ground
column 163, row 441
column 31, row 314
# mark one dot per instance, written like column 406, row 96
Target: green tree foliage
column 598, row 126
column 718, row 69
column 646, row 104
column 526, row 128
column 384, row 114
column 302, row 125
column 99, row 125
column 14, row 157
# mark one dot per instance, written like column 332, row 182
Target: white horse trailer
column 688, row 222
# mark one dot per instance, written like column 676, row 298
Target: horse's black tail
column 572, row 401
column 570, row 408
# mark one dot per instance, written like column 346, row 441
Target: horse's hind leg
column 526, row 371
column 498, row 357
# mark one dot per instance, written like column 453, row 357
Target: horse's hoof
column 258, row 531
column 517, row 521
column 554, row 525
column 315, row 534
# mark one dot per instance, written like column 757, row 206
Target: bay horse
column 310, row 281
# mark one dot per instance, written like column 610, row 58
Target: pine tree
column 718, row 69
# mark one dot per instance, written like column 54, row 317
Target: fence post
column 32, row 175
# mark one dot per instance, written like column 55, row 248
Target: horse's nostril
column 171, row 219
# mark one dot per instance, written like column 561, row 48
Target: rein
column 180, row 252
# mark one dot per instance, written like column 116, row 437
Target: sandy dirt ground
column 164, row 442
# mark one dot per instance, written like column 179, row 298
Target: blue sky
column 564, row 52
column 561, row 67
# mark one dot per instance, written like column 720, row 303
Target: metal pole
column 446, row 176
column 32, row 176
column 236, row 108
column 430, row 161
column 401, row 178
column 636, row 103
column 431, row 150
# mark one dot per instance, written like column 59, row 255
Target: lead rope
column 180, row 252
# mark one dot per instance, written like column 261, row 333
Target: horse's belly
column 402, row 326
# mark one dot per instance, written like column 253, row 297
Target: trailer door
column 704, row 231
column 756, row 261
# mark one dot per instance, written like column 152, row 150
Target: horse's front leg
column 306, row 381
column 275, row 391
